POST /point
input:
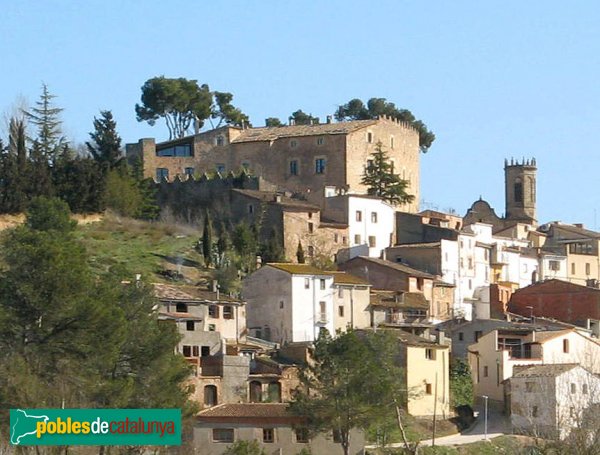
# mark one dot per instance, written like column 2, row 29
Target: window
column 322, row 284
column 302, row 435
column 293, row 143
column 187, row 351
column 369, row 137
column 227, row 312
column 587, row 268
column 322, row 312
column 470, row 263
column 181, row 150
column 205, row 351
column 530, row 387
column 485, row 371
column 250, row 209
column 190, row 326
column 294, row 167
column 573, row 268
column 306, row 283
column 461, row 336
column 470, row 284
column 212, row 327
column 213, row 311
column 181, row 308
column 357, row 239
column 189, row 171
column 341, row 311
column 222, row 435
column 554, row 266
column 369, row 168
column 340, row 292
column 566, row 346
column 462, row 263
column 320, row 166
column 255, row 392
column 391, row 142
column 162, row 173
column 311, row 251
column 274, row 392
column 372, row 241
column 220, row 140
column 320, row 141
column 518, row 189
column 373, row 217
column 210, row 395
column 280, row 304
column 311, row 228
column 477, row 335
column 428, row 388
column 534, row 411
column 430, row 354
column 358, row 215
column 220, row 168
column 573, row 388
column 336, row 238
column 584, row 389
column 581, row 248
column 486, row 254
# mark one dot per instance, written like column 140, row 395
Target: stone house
column 293, row 302
column 495, row 355
column 276, row 430
column 408, row 311
column 550, row 400
column 307, row 159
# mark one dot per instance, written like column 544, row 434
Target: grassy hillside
column 143, row 247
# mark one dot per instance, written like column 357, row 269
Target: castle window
column 518, row 188
column 250, row 209
column 294, row 167
column 182, row 150
column 293, row 143
column 220, row 168
column 162, row 173
column 320, row 141
column 392, row 142
column 189, row 171
column 369, row 137
column 220, row 140
column 320, row 166
column 311, row 228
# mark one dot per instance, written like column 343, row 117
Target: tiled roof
column 580, row 232
column 297, row 269
column 545, row 370
column 346, row 278
column 247, row 410
column 178, row 316
column 273, row 133
column 415, row 340
column 419, row 245
column 396, row 266
column 286, row 202
column 190, row 294
column 393, row 299
column 542, row 337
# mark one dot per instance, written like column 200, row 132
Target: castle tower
column 520, row 190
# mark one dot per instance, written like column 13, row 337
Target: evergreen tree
column 106, row 145
column 122, row 193
column 46, row 118
column 381, row 180
column 273, row 249
column 207, row 241
column 80, row 182
column 39, row 173
column 14, row 169
column 300, row 253
column 245, row 244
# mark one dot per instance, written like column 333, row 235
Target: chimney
column 277, row 198
column 579, row 225
column 292, row 122
column 329, row 119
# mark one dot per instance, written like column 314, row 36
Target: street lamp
column 485, row 415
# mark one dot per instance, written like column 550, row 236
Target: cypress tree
column 300, row 253
column 207, row 241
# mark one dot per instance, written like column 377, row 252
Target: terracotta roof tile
column 545, row 370
column 247, row 410
column 297, row 269
column 395, row 266
column 346, row 278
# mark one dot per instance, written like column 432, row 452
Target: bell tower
column 520, row 190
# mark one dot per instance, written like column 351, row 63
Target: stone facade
column 304, row 159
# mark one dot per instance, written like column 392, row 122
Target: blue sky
column 491, row 79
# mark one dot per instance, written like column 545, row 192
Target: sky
column 492, row 80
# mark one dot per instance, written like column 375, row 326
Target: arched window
column 210, row 395
column 518, row 190
column 255, row 392
column 274, row 392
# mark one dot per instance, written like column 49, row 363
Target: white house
column 293, row 302
column 551, row 400
column 370, row 220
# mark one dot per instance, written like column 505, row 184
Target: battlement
column 402, row 123
column 523, row 163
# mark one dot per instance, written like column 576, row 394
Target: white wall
column 382, row 230
column 306, row 306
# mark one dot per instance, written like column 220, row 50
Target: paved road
column 498, row 425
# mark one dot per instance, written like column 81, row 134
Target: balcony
column 322, row 318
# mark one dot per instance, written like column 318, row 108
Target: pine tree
column 381, row 180
column 106, row 145
column 46, row 118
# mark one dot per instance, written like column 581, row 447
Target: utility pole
column 485, row 397
column 434, row 409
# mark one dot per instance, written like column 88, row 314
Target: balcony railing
column 322, row 318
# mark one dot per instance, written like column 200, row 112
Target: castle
column 314, row 161
column 520, row 198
